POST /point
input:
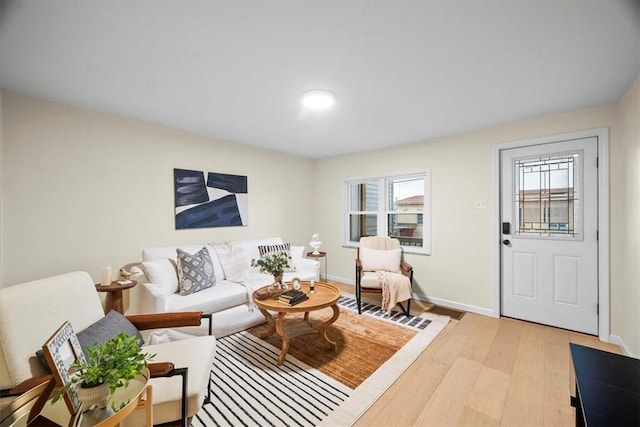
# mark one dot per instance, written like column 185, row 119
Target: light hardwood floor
column 482, row 371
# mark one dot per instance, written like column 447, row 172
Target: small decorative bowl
column 260, row 295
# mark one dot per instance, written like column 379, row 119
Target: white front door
column 549, row 216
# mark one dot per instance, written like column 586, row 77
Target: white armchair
column 31, row 312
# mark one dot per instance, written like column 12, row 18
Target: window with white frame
column 394, row 205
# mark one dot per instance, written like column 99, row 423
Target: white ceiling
column 403, row 71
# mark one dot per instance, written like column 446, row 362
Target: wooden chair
column 25, row 409
column 366, row 269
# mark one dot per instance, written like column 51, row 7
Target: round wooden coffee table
column 325, row 295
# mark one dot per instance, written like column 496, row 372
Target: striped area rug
column 415, row 322
column 249, row 389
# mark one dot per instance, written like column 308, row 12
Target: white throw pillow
column 375, row 260
column 231, row 256
column 163, row 273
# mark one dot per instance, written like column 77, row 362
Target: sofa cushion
column 162, row 272
column 223, row 295
column 232, row 259
column 195, row 271
column 375, row 260
column 276, row 249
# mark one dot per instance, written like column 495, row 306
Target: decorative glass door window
column 547, row 196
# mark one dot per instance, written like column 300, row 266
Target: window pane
column 362, row 226
column 364, row 196
column 406, row 194
column 546, row 198
column 407, row 228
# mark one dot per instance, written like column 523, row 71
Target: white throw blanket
column 396, row 288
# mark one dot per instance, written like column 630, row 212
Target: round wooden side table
column 324, row 295
column 114, row 296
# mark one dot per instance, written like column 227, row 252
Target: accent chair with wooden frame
column 384, row 254
column 31, row 312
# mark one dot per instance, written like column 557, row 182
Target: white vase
column 93, row 396
column 95, row 403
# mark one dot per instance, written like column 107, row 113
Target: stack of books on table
column 293, row 297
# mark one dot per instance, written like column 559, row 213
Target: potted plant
column 274, row 264
column 110, row 366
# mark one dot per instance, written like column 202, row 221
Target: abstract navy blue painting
column 209, row 199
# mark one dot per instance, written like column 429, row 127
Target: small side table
column 114, row 296
column 317, row 256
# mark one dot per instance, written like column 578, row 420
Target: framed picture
column 61, row 350
column 296, row 283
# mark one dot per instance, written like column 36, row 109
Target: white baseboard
column 617, row 340
column 438, row 301
column 455, row 305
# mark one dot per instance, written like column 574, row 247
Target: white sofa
column 228, row 300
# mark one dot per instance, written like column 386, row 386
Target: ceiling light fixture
column 318, row 99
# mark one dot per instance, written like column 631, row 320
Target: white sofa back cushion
column 251, row 250
column 169, row 252
column 162, row 272
column 231, row 257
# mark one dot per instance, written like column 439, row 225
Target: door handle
column 506, row 242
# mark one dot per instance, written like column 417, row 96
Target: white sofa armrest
column 307, row 268
column 153, row 299
column 146, row 297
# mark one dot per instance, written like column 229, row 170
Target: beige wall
column 625, row 220
column 83, row 189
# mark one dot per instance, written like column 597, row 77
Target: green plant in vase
column 274, row 264
column 110, row 365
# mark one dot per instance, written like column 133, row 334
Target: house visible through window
column 395, row 206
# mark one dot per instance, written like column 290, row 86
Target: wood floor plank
column 399, row 405
column 502, row 353
column 472, row 418
column 456, row 341
column 480, row 341
column 490, row 393
column 557, row 374
column 525, row 400
column 449, row 400
column 594, row 342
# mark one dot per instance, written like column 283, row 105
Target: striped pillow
column 273, row 249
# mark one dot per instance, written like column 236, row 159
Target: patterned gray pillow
column 195, row 272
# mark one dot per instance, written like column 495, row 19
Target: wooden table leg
column 270, row 324
column 114, row 302
column 285, row 337
column 306, row 318
column 324, row 326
